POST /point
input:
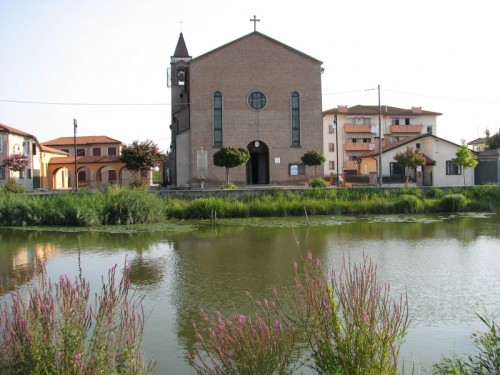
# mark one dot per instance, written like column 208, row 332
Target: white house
column 14, row 141
column 440, row 169
column 358, row 132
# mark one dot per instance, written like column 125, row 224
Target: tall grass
column 55, row 329
column 110, row 207
column 344, row 323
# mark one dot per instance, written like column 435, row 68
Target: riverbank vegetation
column 48, row 328
column 116, row 206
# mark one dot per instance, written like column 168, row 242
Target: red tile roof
column 85, row 159
column 52, row 150
column 12, row 130
column 85, row 140
column 371, row 110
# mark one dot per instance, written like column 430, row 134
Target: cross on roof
column 254, row 20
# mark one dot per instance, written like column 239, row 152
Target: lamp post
column 75, row 126
column 336, row 146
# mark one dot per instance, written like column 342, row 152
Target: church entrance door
column 258, row 165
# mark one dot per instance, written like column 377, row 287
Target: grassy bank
column 132, row 206
column 282, row 203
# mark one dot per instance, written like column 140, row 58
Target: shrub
column 50, row 329
column 407, row 204
column 12, row 186
column 348, row 321
column 229, row 186
column 351, row 324
column 317, row 183
column 260, row 343
column 435, row 192
column 453, row 202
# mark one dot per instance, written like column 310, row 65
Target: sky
column 104, row 62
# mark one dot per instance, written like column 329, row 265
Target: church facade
column 255, row 93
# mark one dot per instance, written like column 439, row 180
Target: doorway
column 258, row 165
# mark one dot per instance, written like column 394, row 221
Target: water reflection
column 447, row 264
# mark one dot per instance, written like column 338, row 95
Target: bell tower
column 178, row 79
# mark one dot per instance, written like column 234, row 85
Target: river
column 449, row 265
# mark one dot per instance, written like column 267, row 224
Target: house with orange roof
column 91, row 161
column 439, row 170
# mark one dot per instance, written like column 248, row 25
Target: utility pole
column 75, row 126
column 379, row 140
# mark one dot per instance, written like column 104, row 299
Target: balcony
column 357, row 128
column 351, row 165
column 359, row 146
column 398, row 129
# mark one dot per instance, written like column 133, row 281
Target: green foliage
column 465, row 157
column 493, row 142
column 486, row 360
column 407, row 204
column 12, row 186
column 348, row 321
column 141, row 156
column 411, row 158
column 112, row 206
column 229, row 186
column 313, row 158
column 318, row 182
column 453, row 203
column 231, row 157
column 55, row 329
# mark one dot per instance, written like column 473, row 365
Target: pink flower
column 77, row 356
column 365, row 317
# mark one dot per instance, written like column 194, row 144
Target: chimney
column 342, row 108
column 416, row 109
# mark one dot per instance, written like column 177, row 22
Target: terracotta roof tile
column 10, row 129
column 371, row 110
column 84, row 140
column 52, row 150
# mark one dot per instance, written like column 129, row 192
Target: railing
column 406, row 129
column 359, row 146
column 357, row 128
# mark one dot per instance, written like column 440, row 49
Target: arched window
column 217, row 119
column 295, row 102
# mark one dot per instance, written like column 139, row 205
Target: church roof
column 263, row 36
column 181, row 49
column 386, row 110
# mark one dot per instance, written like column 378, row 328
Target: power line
column 82, row 104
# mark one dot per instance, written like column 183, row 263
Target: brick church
column 254, row 92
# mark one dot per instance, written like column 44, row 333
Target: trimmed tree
column 410, row 159
column 313, row 158
column 493, row 142
column 16, row 162
column 465, row 158
column 230, row 157
column 140, row 156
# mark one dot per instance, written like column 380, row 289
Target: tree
column 493, row 142
column 410, row 159
column 313, row 158
column 141, row 156
column 465, row 158
column 231, row 157
column 16, row 162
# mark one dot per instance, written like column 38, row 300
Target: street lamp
column 75, row 126
column 335, row 125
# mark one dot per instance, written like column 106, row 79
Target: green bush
column 453, row 203
column 12, row 186
column 407, row 204
column 317, row 182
